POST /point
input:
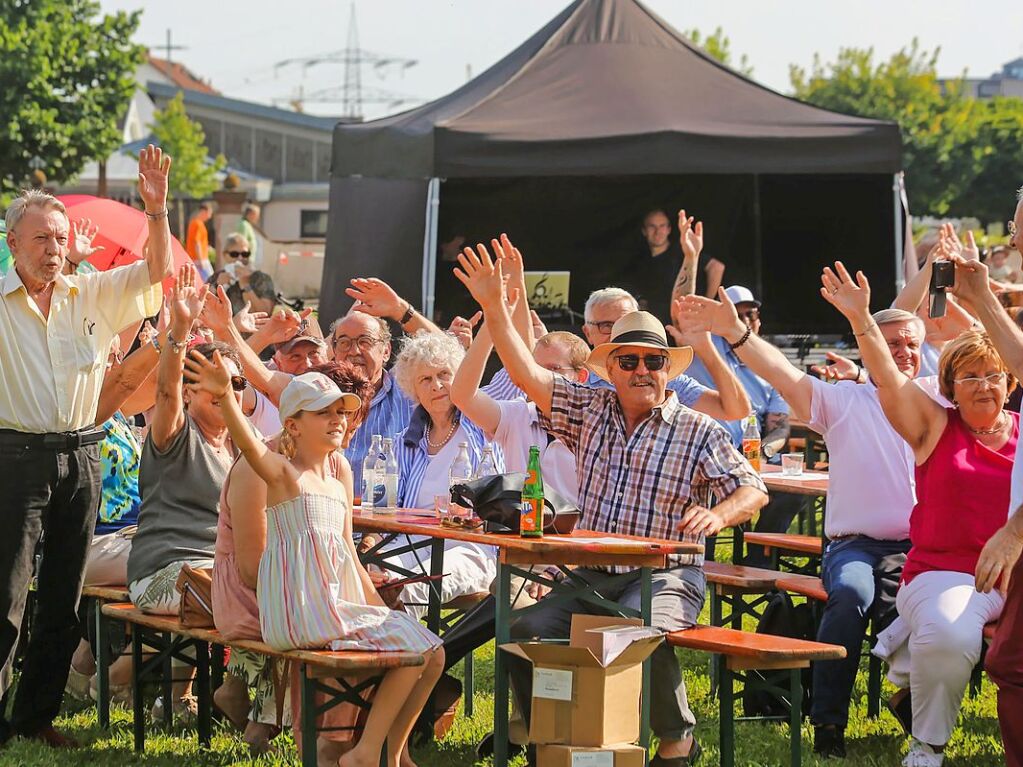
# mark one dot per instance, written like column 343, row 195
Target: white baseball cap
column 314, row 391
column 737, row 294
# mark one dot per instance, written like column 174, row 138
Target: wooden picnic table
column 516, row 556
column 777, row 482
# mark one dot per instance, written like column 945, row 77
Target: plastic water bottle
column 390, row 476
column 487, row 466
column 369, row 473
column 460, row 471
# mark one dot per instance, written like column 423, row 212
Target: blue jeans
column 850, row 572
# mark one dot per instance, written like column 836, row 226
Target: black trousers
column 53, row 495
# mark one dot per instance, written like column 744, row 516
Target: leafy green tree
column 66, row 78
column 718, row 46
column 955, row 149
column 183, row 139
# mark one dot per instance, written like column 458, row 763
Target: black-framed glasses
column 244, row 254
column 653, row 362
column 238, row 383
column 603, row 327
column 365, row 343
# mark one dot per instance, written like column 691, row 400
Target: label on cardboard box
column 552, row 683
column 593, row 759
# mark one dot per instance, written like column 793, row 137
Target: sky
column 238, row 46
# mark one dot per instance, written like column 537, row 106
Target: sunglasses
column 239, row 254
column 653, row 362
column 238, row 383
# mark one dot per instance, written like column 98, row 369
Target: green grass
column 876, row 743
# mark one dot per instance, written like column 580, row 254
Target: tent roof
column 607, row 87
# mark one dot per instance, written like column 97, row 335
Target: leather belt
column 60, row 442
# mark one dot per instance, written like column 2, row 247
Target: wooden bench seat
column 107, row 593
column 809, row 586
column 739, row 576
column 745, row 652
column 800, row 544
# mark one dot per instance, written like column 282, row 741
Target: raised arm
column 378, row 299
column 122, row 381
column 154, row 169
column 698, row 313
column 915, row 291
column 715, row 271
column 485, row 281
column 465, row 392
column 972, row 284
column 514, row 272
column 914, row 415
column 690, row 233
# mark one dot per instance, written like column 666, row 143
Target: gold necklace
column 443, row 442
column 995, row 430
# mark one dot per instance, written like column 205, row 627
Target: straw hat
column 640, row 329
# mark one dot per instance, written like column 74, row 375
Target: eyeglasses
column 629, row 362
column 365, row 343
column 749, row 314
column 991, row 380
column 239, row 254
column 238, row 383
column 603, row 327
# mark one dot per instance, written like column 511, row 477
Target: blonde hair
column 286, row 444
column 578, row 351
column 972, row 347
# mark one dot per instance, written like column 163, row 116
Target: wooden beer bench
column 744, row 651
column 785, row 547
column 171, row 640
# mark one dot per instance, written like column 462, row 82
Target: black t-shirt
column 651, row 279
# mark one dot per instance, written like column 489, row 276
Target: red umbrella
column 123, row 231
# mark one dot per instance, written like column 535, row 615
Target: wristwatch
column 768, row 452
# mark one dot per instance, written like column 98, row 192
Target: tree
column 955, row 149
column 183, row 139
column 718, row 46
column 66, row 78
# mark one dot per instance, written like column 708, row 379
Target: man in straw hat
column 646, row 466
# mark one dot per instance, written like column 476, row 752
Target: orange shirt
column 198, row 241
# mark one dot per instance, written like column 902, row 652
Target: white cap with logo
column 313, row 391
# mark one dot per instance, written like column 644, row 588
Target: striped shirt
column 388, row 416
column 644, row 483
column 414, row 460
column 686, row 388
column 502, row 388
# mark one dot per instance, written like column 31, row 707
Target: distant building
column 1008, row 82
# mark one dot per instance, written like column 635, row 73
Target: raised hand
column 186, row 301
column 701, row 314
column 970, row 250
column 147, row 333
column 216, row 313
column 284, row 325
column 851, row 298
column 250, row 322
column 690, row 235
column 682, row 332
column 840, row 369
column 83, row 232
column 154, row 171
column 482, row 276
column 206, row 375
column 972, row 283
column 539, row 329
column 462, row 328
column 376, row 298
column 511, row 261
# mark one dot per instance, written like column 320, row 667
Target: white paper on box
column 593, row 759
column 616, row 639
column 552, row 683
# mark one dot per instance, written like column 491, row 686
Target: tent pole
column 900, row 280
column 758, row 245
column 430, row 246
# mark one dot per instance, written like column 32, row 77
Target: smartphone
column 943, row 276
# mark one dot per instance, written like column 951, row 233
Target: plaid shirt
column 643, row 484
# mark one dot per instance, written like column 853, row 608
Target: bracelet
column 177, row 346
column 409, row 313
column 156, row 343
column 865, row 330
column 741, row 341
column 156, row 216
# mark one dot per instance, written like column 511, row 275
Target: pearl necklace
column 995, row 430
column 443, row 442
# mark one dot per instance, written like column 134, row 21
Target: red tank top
column 962, row 492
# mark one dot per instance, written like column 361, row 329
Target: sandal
column 118, row 693
column 689, row 760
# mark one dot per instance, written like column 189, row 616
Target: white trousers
column 934, row 644
column 469, row 568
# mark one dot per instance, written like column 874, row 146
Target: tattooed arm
column 691, row 238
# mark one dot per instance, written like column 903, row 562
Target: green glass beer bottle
column 531, row 521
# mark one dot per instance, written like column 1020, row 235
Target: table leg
column 204, row 695
column 726, row 712
column 138, row 724
column 102, row 666
column 433, row 623
column 502, row 635
column 796, row 716
column 168, row 681
column 308, row 717
column 646, row 596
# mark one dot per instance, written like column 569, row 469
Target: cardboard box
column 579, row 701
column 582, row 756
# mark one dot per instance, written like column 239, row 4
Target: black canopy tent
column 565, row 143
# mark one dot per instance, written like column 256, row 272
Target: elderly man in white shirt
column 870, row 497
column 55, row 334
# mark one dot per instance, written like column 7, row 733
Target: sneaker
column 829, row 742
column 922, row 755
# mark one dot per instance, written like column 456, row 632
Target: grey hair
column 888, row 316
column 385, row 329
column 31, row 198
column 608, row 296
column 234, row 237
column 250, row 207
column 1019, row 194
column 440, row 350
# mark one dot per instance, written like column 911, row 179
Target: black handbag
column 497, row 500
